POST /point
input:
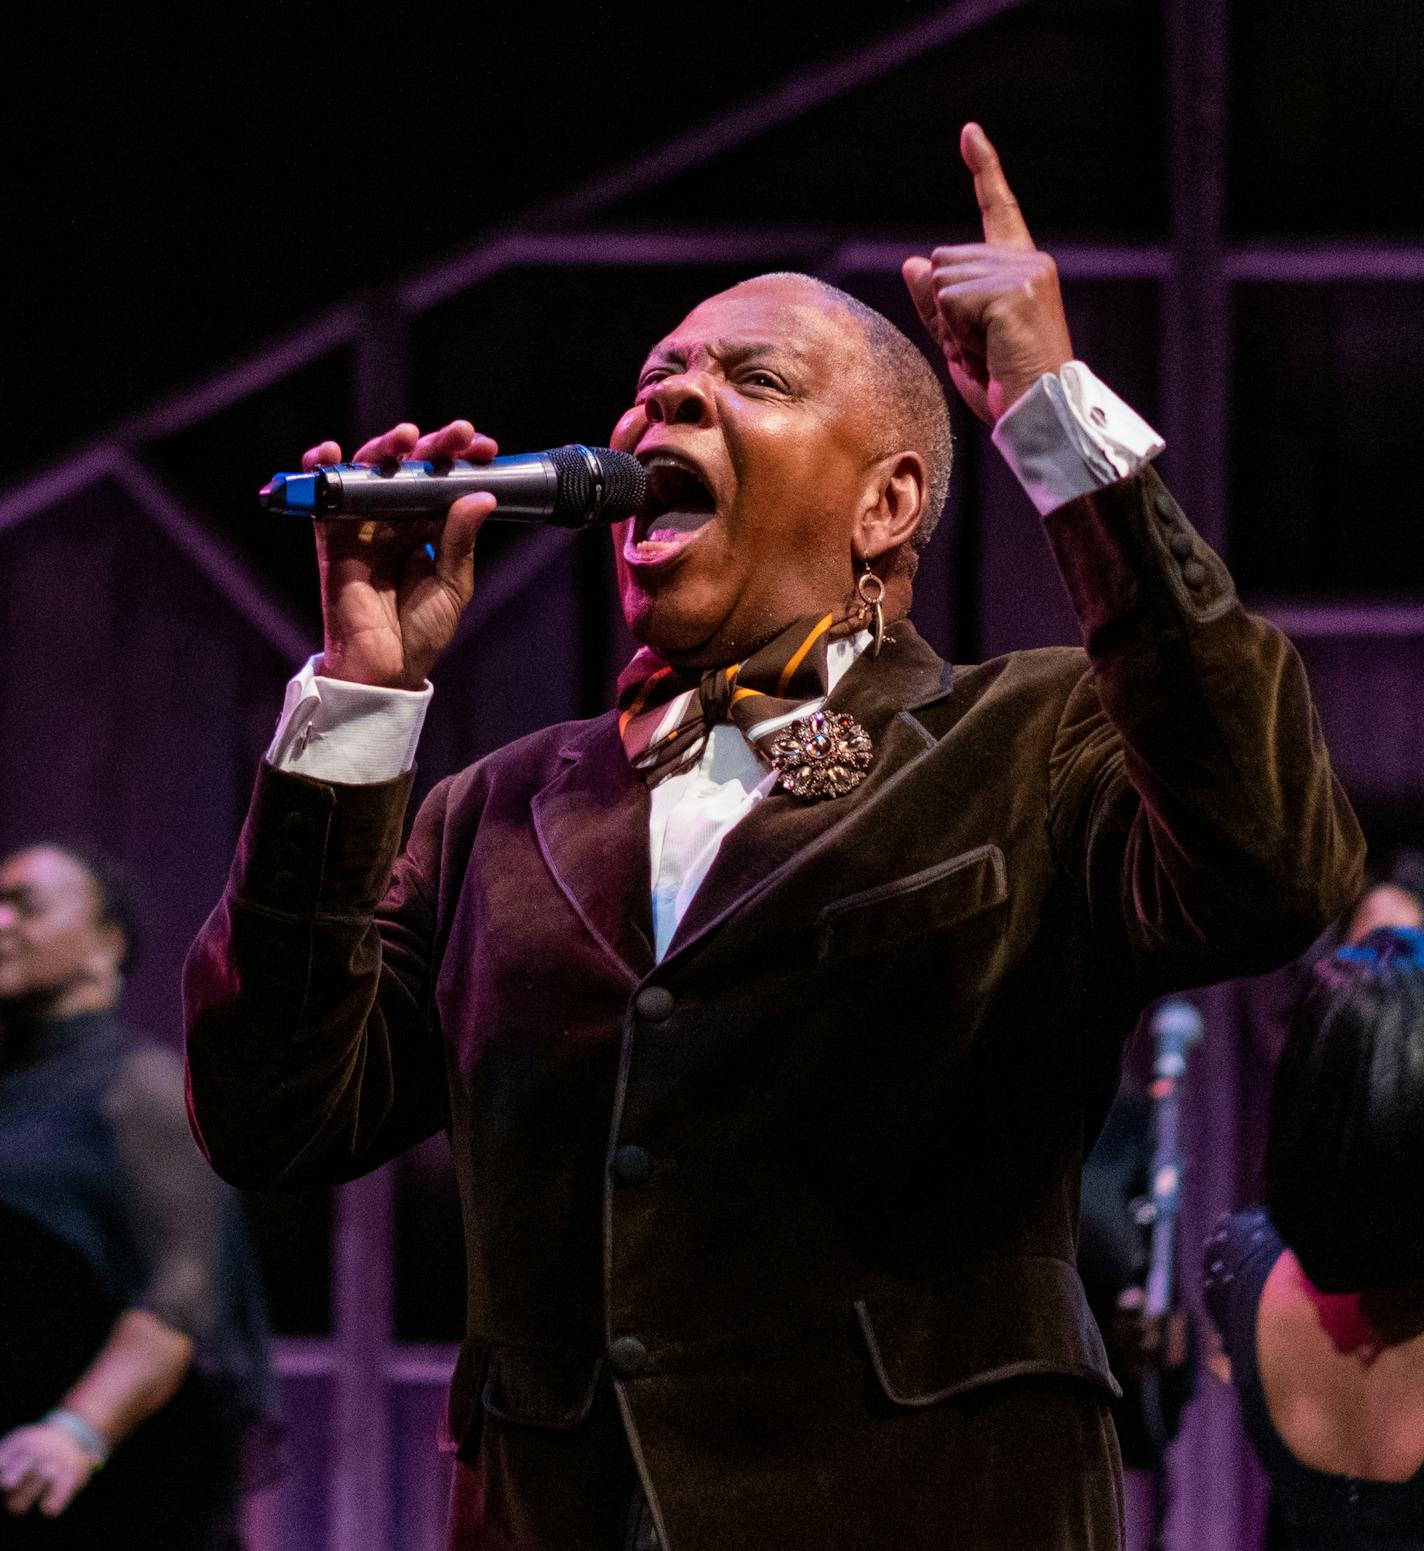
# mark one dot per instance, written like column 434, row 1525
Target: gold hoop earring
column 870, row 589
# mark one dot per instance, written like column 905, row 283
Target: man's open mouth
column 678, row 505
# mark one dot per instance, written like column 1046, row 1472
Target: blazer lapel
column 781, row 830
column 591, row 822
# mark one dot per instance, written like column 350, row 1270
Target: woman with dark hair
column 131, row 1322
column 1319, row 1297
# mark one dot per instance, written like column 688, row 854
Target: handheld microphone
column 566, row 487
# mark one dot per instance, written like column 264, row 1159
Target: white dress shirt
column 693, row 809
column 1068, row 435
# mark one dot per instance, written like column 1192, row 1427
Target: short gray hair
column 913, row 412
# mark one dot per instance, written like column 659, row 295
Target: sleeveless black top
column 1321, row 1512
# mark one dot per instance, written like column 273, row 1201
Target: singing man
column 771, row 1013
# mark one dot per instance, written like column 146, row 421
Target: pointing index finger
column 1004, row 225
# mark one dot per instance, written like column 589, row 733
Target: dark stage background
column 224, row 247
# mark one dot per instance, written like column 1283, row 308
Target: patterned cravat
column 777, row 679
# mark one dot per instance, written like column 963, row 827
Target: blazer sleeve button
column 654, row 1004
column 628, row 1357
column 1181, row 545
column 1194, row 574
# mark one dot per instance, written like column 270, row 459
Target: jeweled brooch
column 823, row 755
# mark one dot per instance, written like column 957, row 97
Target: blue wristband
column 84, row 1433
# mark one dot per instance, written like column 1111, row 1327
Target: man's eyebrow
column 728, row 350
column 664, row 355
column 749, row 349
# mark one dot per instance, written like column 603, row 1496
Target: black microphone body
column 566, row 487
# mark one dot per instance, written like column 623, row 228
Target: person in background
column 1319, row 1296
column 132, row 1333
column 1393, row 895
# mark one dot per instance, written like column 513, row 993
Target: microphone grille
column 625, row 483
column 596, row 484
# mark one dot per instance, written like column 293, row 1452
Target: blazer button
column 628, row 1357
column 1194, row 574
column 1181, row 545
column 653, row 1004
column 632, row 1165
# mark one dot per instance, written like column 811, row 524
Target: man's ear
column 109, row 947
column 893, row 507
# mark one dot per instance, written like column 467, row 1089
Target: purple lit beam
column 1326, row 263
column 414, row 1363
column 194, row 538
column 57, row 484
column 579, row 249
column 363, row 1269
column 518, row 568
column 1196, row 315
column 1196, row 375
column 801, row 92
column 330, row 330
column 361, row 1316
column 825, row 252
column 323, row 334
column 1346, row 620
column 1077, row 260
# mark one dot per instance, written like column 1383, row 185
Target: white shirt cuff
column 354, row 734
column 1070, row 434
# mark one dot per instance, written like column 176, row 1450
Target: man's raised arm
column 1190, row 787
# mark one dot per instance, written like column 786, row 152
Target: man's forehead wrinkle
column 739, row 349
column 726, row 348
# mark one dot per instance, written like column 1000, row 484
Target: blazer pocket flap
column 537, row 1388
column 459, row 1425
column 911, row 906
column 1017, row 1317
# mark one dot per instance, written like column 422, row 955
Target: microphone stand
column 1175, row 1027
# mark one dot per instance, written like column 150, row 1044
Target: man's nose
column 680, row 400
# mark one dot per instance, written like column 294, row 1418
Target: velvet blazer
column 786, row 1222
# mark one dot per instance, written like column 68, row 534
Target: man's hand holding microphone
column 408, row 496
column 392, row 592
